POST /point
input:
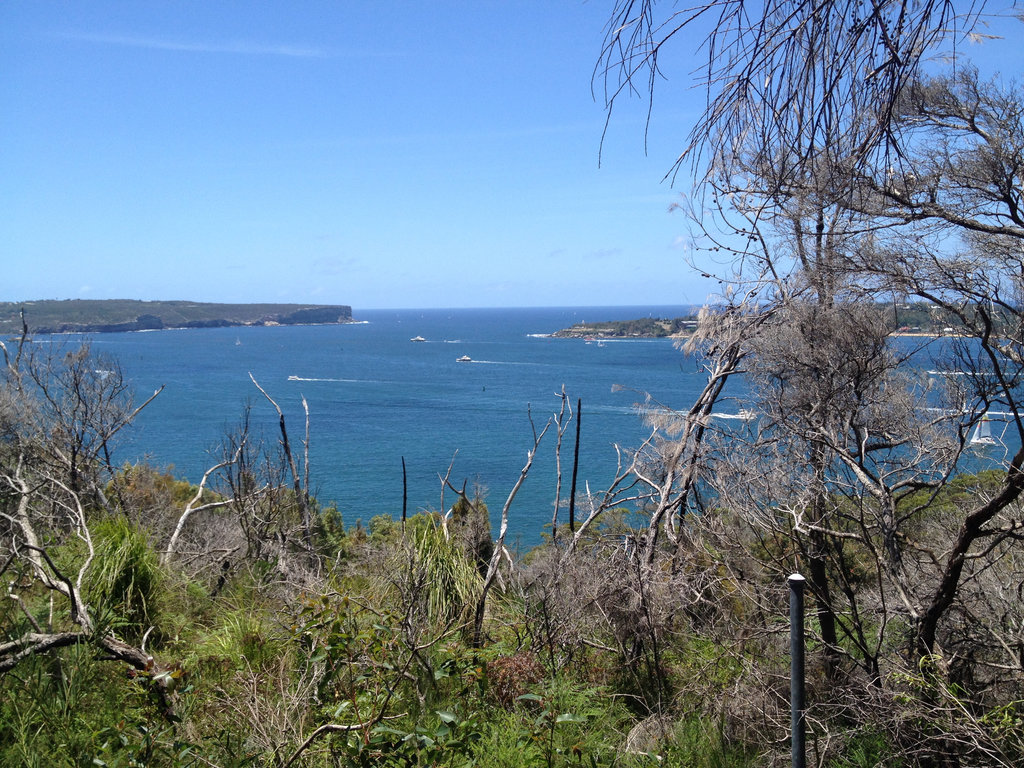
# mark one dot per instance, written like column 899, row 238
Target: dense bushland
column 246, row 645
column 360, row 650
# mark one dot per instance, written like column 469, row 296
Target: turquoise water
column 376, row 397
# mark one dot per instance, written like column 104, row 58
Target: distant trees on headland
column 119, row 315
column 916, row 317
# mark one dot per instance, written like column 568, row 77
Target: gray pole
column 796, row 667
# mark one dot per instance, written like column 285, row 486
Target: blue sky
column 384, row 154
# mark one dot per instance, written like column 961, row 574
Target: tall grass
column 124, row 581
column 451, row 580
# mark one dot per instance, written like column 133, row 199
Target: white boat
column 417, row 338
column 983, row 433
column 464, row 359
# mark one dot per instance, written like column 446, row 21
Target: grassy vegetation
column 360, row 656
column 369, row 640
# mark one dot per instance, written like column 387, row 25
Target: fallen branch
column 335, row 728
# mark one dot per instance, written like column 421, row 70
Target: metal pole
column 796, row 668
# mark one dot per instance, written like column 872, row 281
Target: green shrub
column 451, row 580
column 123, row 582
column 865, row 750
column 699, row 743
column 69, row 709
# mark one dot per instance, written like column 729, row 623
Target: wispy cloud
column 238, row 47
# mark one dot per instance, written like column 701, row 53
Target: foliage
column 331, row 531
column 125, row 584
column 70, row 710
column 262, row 668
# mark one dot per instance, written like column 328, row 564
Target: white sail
column 983, row 433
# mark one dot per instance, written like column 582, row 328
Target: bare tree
column 500, row 552
column 834, row 175
column 300, row 484
column 59, row 414
column 799, row 73
column 951, row 233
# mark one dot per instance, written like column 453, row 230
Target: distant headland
column 642, row 328
column 904, row 319
column 120, row 315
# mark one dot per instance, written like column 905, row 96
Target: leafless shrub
column 509, row 677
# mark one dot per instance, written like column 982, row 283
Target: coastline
column 131, row 315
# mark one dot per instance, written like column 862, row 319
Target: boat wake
column 741, row 416
column 342, row 381
column 993, row 415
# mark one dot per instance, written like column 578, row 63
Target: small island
column 642, row 328
column 122, row 315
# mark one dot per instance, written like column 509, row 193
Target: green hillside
column 114, row 315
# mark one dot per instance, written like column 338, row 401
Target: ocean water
column 375, row 397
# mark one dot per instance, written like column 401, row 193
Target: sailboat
column 983, row 433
